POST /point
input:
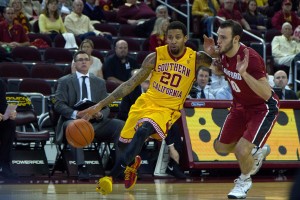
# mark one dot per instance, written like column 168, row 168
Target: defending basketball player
column 255, row 106
column 172, row 69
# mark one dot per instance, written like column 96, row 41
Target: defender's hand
column 210, row 47
column 242, row 65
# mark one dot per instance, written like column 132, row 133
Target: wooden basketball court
column 155, row 189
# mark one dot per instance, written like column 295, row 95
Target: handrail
column 295, row 75
column 248, row 33
column 187, row 15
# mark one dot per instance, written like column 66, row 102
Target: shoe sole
column 104, row 186
column 234, row 197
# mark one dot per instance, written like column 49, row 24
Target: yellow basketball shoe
column 130, row 173
column 104, row 185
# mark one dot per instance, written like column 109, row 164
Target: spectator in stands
column 65, row 5
column 80, row 24
column 253, row 17
column 118, row 66
column 285, row 50
column 144, row 29
column 280, row 86
column 87, row 46
column 173, row 139
column 12, row 34
column 201, row 87
column 3, row 5
column 296, row 34
column 285, row 15
column 68, row 93
column 229, row 13
column 93, row 11
column 158, row 35
column 7, row 135
column 240, row 5
column 262, row 5
column 50, row 21
column 298, row 9
column 134, row 12
column 64, row 8
column 32, row 10
column 203, row 12
column 20, row 16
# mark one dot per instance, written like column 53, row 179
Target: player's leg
column 129, row 154
column 174, row 142
column 222, row 148
column 228, row 142
column 262, row 132
column 132, row 151
column 243, row 183
column 249, row 154
column 243, row 155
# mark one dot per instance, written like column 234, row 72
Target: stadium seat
column 59, row 56
column 46, row 71
column 26, row 55
column 127, row 30
column 105, row 27
column 45, row 37
column 133, row 43
column 59, row 41
column 29, row 141
column 101, row 43
column 98, row 54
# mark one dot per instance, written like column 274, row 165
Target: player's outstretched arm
column 125, row 88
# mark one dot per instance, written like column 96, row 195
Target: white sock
column 244, row 176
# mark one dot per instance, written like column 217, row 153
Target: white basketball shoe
column 259, row 154
column 240, row 189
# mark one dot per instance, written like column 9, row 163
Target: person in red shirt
column 134, row 12
column 285, row 15
column 11, row 34
column 19, row 14
column 255, row 106
column 228, row 12
column 158, row 35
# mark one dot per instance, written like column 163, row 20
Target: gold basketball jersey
column 172, row 78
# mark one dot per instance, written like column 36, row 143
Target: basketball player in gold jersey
column 173, row 71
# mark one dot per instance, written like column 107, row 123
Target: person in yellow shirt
column 203, row 12
column 50, row 21
column 173, row 69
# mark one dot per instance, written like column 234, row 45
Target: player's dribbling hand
column 88, row 113
column 242, row 65
column 209, row 46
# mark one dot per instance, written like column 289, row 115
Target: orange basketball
column 80, row 133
